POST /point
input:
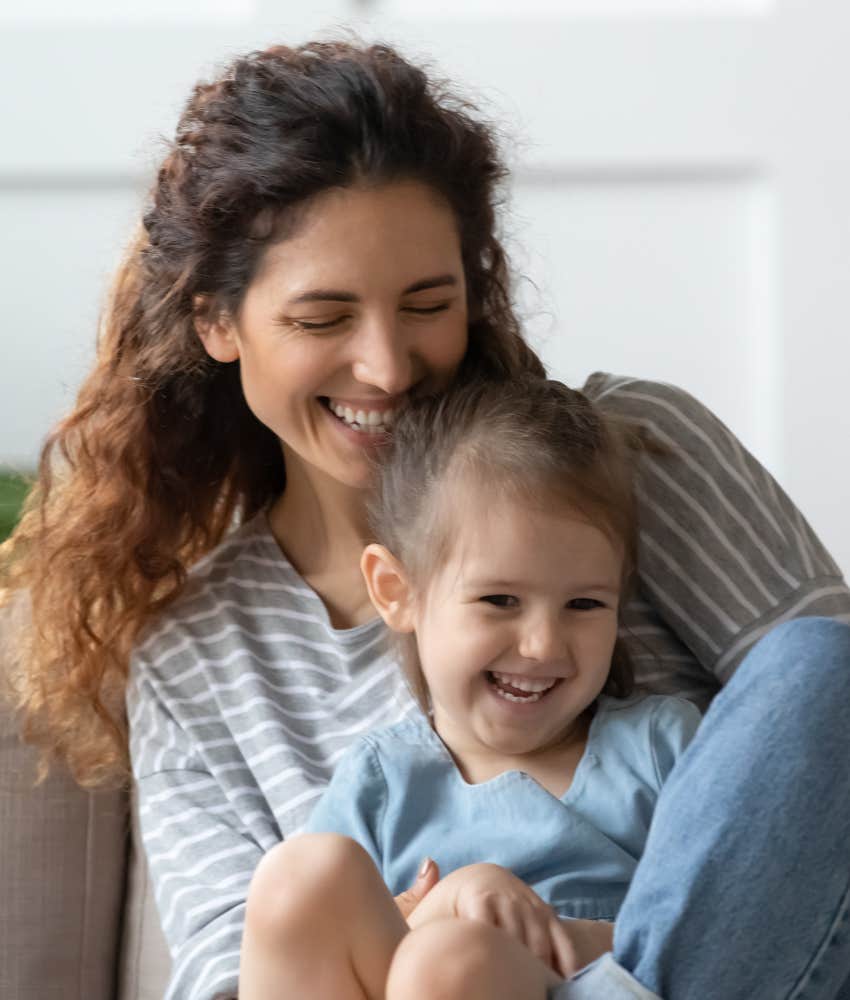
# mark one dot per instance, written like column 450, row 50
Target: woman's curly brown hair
column 161, row 455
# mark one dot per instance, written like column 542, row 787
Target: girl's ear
column 215, row 329
column 388, row 586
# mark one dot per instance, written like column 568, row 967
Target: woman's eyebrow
column 438, row 282
column 336, row 295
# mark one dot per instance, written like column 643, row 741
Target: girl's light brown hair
column 161, row 454
column 527, row 440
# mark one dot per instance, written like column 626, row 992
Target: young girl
column 506, row 521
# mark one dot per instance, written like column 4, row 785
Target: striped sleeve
column 724, row 554
column 242, row 698
column 200, row 855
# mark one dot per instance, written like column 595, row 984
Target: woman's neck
column 321, row 525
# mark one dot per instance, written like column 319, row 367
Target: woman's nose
column 382, row 356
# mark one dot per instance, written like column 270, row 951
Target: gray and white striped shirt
column 242, row 696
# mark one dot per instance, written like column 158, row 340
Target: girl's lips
column 518, row 701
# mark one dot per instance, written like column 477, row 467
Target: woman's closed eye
column 426, row 310
column 317, row 324
column 327, row 324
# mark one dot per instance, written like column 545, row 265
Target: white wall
column 681, row 200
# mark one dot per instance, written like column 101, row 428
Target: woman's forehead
column 404, row 229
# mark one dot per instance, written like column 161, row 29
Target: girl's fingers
column 480, row 907
column 509, row 917
column 426, row 879
column 538, row 939
column 566, row 960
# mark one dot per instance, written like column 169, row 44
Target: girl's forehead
column 493, row 533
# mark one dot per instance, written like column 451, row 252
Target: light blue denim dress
column 400, row 795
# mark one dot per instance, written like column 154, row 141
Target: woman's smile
column 368, row 418
column 363, row 428
column 399, row 324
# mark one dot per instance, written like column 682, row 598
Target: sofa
column 77, row 914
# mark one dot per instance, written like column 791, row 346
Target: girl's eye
column 500, row 600
column 584, row 604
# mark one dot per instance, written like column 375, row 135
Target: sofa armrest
column 63, row 861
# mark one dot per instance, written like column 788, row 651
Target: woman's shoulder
column 647, row 401
column 245, row 573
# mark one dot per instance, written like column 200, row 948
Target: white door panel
column 681, row 193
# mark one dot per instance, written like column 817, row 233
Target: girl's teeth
column 525, row 683
column 512, row 697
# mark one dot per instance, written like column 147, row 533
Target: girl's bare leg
column 456, row 959
column 319, row 923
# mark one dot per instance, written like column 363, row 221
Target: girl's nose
column 542, row 639
column 382, row 356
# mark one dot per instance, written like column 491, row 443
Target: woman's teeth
column 515, row 687
column 367, row 421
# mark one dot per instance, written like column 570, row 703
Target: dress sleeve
column 200, row 856
column 355, row 800
column 673, row 725
column 724, row 554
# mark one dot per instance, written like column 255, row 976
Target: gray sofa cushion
column 63, row 859
column 145, row 961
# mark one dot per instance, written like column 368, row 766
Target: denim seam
column 831, row 938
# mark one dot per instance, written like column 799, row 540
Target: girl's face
column 515, row 635
column 364, row 304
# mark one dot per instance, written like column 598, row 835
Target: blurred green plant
column 13, row 489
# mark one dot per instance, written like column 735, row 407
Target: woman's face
column 363, row 305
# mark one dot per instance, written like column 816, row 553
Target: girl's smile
column 516, row 633
column 519, row 688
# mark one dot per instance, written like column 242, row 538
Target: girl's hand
column 427, row 877
column 577, row 943
column 495, row 896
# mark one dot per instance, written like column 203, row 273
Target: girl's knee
column 446, row 959
column 307, row 876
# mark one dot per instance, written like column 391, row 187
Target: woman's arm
column 200, row 855
column 724, row 553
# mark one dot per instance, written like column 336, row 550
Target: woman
column 319, row 247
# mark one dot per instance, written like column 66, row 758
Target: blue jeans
column 743, row 892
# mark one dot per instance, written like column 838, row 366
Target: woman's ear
column 388, row 586
column 215, row 329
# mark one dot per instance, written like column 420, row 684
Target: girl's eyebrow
column 487, row 583
column 336, row 295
